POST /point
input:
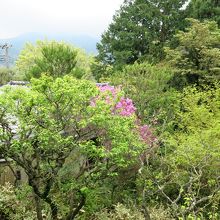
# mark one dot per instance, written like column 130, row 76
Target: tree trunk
column 144, row 207
column 53, row 207
column 44, row 197
column 38, row 207
column 146, row 213
column 74, row 212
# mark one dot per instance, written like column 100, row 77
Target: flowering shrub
column 126, row 108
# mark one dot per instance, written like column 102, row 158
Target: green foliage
column 196, row 149
column 139, row 31
column 83, row 66
column 147, row 86
column 12, row 206
column 84, row 161
column 54, row 58
column 197, row 136
column 159, row 212
column 132, row 213
column 184, row 174
column 120, row 212
column 101, row 72
column 205, row 9
column 27, row 57
column 196, row 59
column 57, row 60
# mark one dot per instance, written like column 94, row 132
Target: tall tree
column 139, row 31
column 53, row 58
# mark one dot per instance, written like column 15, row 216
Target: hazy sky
column 51, row 16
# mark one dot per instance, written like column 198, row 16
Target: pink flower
column 146, row 134
column 125, row 107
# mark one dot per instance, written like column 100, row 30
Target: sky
column 77, row 17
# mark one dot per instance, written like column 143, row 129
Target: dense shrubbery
column 14, row 205
column 181, row 101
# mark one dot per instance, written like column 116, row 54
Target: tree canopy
column 196, row 58
column 139, row 31
column 205, row 9
column 41, row 126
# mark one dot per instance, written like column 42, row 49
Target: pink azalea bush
column 126, row 108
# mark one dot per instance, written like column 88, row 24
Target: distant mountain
column 85, row 42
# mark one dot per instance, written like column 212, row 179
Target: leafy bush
column 120, row 212
column 159, row 213
column 6, row 75
column 128, row 212
column 13, row 206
